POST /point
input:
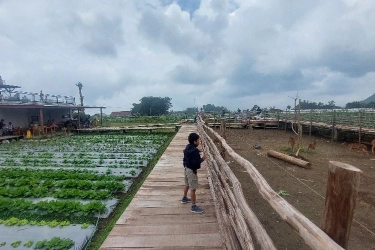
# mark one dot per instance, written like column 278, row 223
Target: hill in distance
column 369, row 99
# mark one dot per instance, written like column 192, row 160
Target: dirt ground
column 305, row 188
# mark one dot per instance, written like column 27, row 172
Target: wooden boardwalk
column 10, row 137
column 155, row 218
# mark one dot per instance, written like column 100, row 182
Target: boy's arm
column 204, row 157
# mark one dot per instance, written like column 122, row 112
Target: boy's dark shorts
column 191, row 179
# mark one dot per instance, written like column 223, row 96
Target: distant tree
column 213, row 108
column 152, row 106
column 332, row 104
column 313, row 105
column 190, row 111
column 257, row 109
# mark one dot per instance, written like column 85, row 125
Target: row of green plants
column 11, row 159
column 46, row 207
column 103, row 143
column 14, row 221
column 11, row 162
column 40, row 192
column 56, row 243
column 112, row 186
column 107, row 121
column 72, row 155
column 56, row 174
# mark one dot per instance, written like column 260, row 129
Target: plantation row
column 61, row 182
column 54, row 207
column 96, row 143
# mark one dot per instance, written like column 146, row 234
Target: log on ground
column 290, row 159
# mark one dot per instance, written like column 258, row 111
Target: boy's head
column 193, row 137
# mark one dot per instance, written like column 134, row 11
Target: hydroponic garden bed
column 53, row 192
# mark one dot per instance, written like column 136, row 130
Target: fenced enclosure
column 351, row 125
column 234, row 213
column 364, row 118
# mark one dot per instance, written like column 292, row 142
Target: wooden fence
column 236, row 218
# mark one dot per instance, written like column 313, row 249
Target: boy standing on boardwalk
column 192, row 162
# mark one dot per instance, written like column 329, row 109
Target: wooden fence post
column 360, row 126
column 286, row 119
column 333, row 125
column 341, row 195
column 224, row 135
column 310, row 122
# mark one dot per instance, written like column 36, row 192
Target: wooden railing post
column 310, row 122
column 286, row 119
column 360, row 126
column 333, row 125
column 341, row 195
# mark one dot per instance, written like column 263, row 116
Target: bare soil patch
column 305, row 188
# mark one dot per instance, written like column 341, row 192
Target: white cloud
column 233, row 53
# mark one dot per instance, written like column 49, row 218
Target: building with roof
column 24, row 109
column 121, row 114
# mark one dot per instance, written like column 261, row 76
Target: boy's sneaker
column 185, row 200
column 196, row 209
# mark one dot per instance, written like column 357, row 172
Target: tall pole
column 295, row 106
column 80, row 85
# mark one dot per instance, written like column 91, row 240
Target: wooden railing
column 236, row 218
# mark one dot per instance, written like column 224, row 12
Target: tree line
column 332, row 105
column 155, row 106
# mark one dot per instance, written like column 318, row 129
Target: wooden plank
column 168, row 219
column 167, row 248
column 183, row 209
column 137, row 202
column 184, row 240
column 165, row 229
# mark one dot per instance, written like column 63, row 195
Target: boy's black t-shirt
column 192, row 158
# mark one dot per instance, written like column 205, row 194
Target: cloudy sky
column 232, row 53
